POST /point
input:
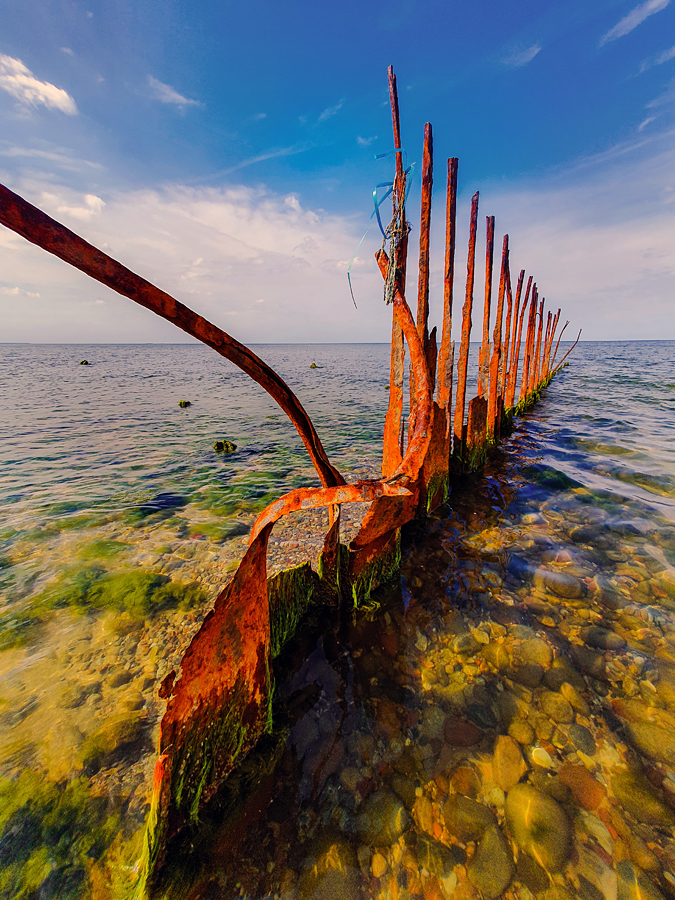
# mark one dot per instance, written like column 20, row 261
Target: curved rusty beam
column 39, row 228
column 314, row 498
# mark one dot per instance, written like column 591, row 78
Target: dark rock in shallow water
column 224, row 447
column 633, row 884
column 562, row 671
column 589, row 661
column 559, row 583
column 437, row 858
column 582, row 739
column 636, row 795
column 492, row 868
column 539, row 825
column 467, row 819
column 602, row 638
column 383, row 819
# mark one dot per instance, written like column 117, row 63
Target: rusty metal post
column 516, row 350
column 391, row 451
column 506, row 344
column 423, row 279
column 537, row 352
column 492, row 421
column 554, row 327
column 544, row 350
column 463, row 362
column 527, row 356
column 511, row 373
column 446, row 354
column 484, row 353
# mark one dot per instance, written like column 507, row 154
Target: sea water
column 501, row 722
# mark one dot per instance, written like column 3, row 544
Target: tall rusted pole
column 423, row 279
column 537, row 352
column 391, row 451
column 425, row 224
column 492, row 418
column 504, row 358
column 527, row 356
column 515, row 348
column 484, row 353
column 516, row 353
column 544, row 349
column 463, row 363
column 445, row 354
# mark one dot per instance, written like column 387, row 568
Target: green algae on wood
column 289, row 595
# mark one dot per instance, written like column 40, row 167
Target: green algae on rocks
column 224, row 447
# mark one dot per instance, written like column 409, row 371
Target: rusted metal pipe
column 506, row 344
column 537, row 352
column 484, row 353
column 463, row 362
column 445, row 355
column 508, row 402
column 529, row 344
column 513, row 373
column 493, row 424
column 39, row 228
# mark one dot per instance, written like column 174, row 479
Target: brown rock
column 508, row 765
column 556, row 707
column 588, row 792
column 459, row 733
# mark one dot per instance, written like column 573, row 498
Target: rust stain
column 446, row 354
column 516, row 353
column 484, row 353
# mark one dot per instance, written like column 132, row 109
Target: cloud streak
column 518, row 58
column 331, row 111
column 634, row 18
column 657, row 60
column 18, row 80
column 166, row 94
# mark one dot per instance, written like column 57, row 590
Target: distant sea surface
column 119, row 523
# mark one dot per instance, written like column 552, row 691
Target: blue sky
column 226, row 152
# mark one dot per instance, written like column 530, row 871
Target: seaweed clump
column 224, row 447
column 184, row 404
column 44, row 850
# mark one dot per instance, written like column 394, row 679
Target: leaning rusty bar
column 445, row 354
column 39, row 228
column 560, row 364
column 531, row 381
column 463, row 362
column 492, row 423
column 527, row 356
column 558, row 343
column 544, row 351
column 484, row 353
column 515, row 359
column 537, row 352
column 391, row 450
column 512, row 337
column 554, row 326
column 423, row 279
column 506, row 345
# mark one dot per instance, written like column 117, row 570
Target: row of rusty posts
column 491, row 411
column 220, row 702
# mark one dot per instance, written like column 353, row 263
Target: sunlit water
column 503, row 724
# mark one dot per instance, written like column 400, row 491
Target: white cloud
column 331, row 111
column 260, row 116
column 647, row 121
column 634, row 18
column 17, row 292
column 657, row 60
column 519, row 57
column 166, row 94
column 365, row 142
column 90, row 205
column 67, row 51
column 668, row 96
column 19, row 81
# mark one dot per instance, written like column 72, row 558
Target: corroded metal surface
column 462, row 364
column 513, row 374
column 492, row 418
column 446, row 354
column 484, row 353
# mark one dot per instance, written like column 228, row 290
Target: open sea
column 501, row 723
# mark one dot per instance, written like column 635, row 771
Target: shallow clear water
column 424, row 748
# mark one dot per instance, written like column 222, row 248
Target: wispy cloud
column 365, row 142
column 166, row 94
column 261, row 157
column 643, row 125
column 521, row 57
column 19, row 81
column 61, row 156
column 657, row 60
column 331, row 110
column 668, row 96
column 91, row 206
column 634, row 18
column 67, row 51
column 17, row 292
